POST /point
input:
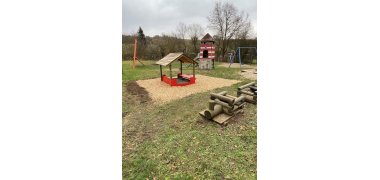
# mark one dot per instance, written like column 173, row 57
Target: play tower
column 207, row 52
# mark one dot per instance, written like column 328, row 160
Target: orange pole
column 134, row 54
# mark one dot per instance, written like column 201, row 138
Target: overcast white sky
column 162, row 16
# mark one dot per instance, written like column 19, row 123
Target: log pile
column 249, row 91
column 223, row 107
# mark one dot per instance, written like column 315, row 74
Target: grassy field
column 171, row 141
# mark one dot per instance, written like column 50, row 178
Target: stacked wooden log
column 223, row 106
column 249, row 91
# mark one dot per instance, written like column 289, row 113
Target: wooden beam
column 229, row 100
column 246, row 85
column 212, row 113
column 161, row 72
column 193, row 70
column 134, row 54
column 181, row 66
column 140, row 61
column 170, row 68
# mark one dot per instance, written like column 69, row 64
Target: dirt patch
column 135, row 130
column 134, row 89
column 161, row 92
column 249, row 74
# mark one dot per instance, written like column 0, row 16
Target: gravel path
column 249, row 71
column 236, row 65
column 249, row 74
column 161, row 92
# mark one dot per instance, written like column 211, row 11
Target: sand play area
column 161, row 92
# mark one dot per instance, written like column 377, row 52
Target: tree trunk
column 223, row 49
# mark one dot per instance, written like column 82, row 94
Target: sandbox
column 162, row 92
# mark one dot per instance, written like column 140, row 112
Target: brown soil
column 134, row 89
column 134, row 95
column 135, row 130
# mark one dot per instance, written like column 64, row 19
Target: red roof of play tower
column 207, row 38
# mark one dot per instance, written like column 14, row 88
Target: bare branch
column 227, row 22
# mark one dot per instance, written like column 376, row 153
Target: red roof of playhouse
column 207, row 38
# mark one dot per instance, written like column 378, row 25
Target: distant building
column 207, row 52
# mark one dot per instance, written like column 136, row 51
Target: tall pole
column 134, row 54
column 239, row 58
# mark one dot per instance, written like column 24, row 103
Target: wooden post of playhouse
column 134, row 54
column 193, row 70
column 181, row 66
column 170, row 68
column 213, row 64
column 161, row 72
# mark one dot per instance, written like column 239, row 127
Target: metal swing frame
column 238, row 53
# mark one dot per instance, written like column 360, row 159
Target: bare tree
column 244, row 32
column 227, row 21
column 182, row 32
column 242, row 35
column 218, row 46
column 195, row 31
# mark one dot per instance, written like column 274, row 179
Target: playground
column 164, row 135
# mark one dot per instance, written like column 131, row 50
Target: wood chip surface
column 161, row 92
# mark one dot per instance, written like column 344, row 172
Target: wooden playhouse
column 181, row 79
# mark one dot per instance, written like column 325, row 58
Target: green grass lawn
column 171, row 141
